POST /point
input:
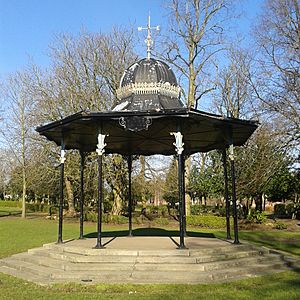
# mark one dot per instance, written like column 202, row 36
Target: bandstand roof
column 148, row 132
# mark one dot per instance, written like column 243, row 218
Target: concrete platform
column 140, row 259
column 149, row 243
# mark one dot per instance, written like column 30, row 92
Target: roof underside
column 201, row 131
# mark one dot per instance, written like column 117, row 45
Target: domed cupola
column 148, row 84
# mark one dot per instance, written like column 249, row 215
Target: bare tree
column 257, row 163
column 232, row 96
column 277, row 84
column 17, row 124
column 195, row 38
column 84, row 75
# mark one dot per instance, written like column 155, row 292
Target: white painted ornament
column 62, row 156
column 178, row 142
column 101, row 144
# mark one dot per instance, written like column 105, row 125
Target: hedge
column 10, row 203
column 206, row 221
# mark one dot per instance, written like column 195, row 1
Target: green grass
column 17, row 235
column 8, row 211
column 276, row 287
column 280, row 240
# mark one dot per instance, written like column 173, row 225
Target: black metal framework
column 228, row 236
column 82, row 157
column 100, row 201
column 129, row 161
column 181, row 201
column 183, row 193
column 234, row 209
column 148, row 133
column 61, row 192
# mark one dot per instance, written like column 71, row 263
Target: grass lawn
column 17, row 235
column 8, row 211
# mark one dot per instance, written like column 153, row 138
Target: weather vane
column 148, row 41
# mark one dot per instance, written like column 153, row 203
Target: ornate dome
column 148, row 84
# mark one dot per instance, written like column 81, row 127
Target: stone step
column 105, row 276
column 166, row 276
column 77, row 258
column 202, row 266
column 27, row 267
column 72, row 257
column 39, row 279
column 205, row 277
column 176, row 252
column 230, row 248
column 118, row 252
column 142, row 264
column 143, row 273
column 69, row 266
column 226, row 256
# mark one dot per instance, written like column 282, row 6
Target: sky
column 28, row 27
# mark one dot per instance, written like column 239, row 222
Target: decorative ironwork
column 135, row 123
column 101, row 144
column 178, row 142
column 148, row 41
column 153, row 88
column 62, row 156
column 231, row 152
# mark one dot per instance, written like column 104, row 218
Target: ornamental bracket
column 101, row 144
column 135, row 123
column 62, row 156
column 178, row 142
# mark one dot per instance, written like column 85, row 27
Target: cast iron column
column 61, row 190
column 235, row 219
column 100, row 151
column 81, row 193
column 183, row 193
column 179, row 149
column 226, row 194
column 129, row 161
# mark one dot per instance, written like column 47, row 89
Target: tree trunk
column 263, row 198
column 186, row 180
column 258, row 203
column 23, row 163
column 70, row 197
column 24, row 194
column 117, row 205
column 143, row 182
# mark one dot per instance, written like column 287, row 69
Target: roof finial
column 148, row 41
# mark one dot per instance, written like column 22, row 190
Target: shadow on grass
column 9, row 213
column 150, row 232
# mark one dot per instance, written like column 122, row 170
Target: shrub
column 107, row 218
column 38, row 207
column 163, row 210
column 290, row 209
column 153, row 209
column 162, row 221
column 90, row 216
column 280, row 210
column 257, row 217
column 11, row 203
column 206, row 221
column 198, row 209
column 280, row 225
